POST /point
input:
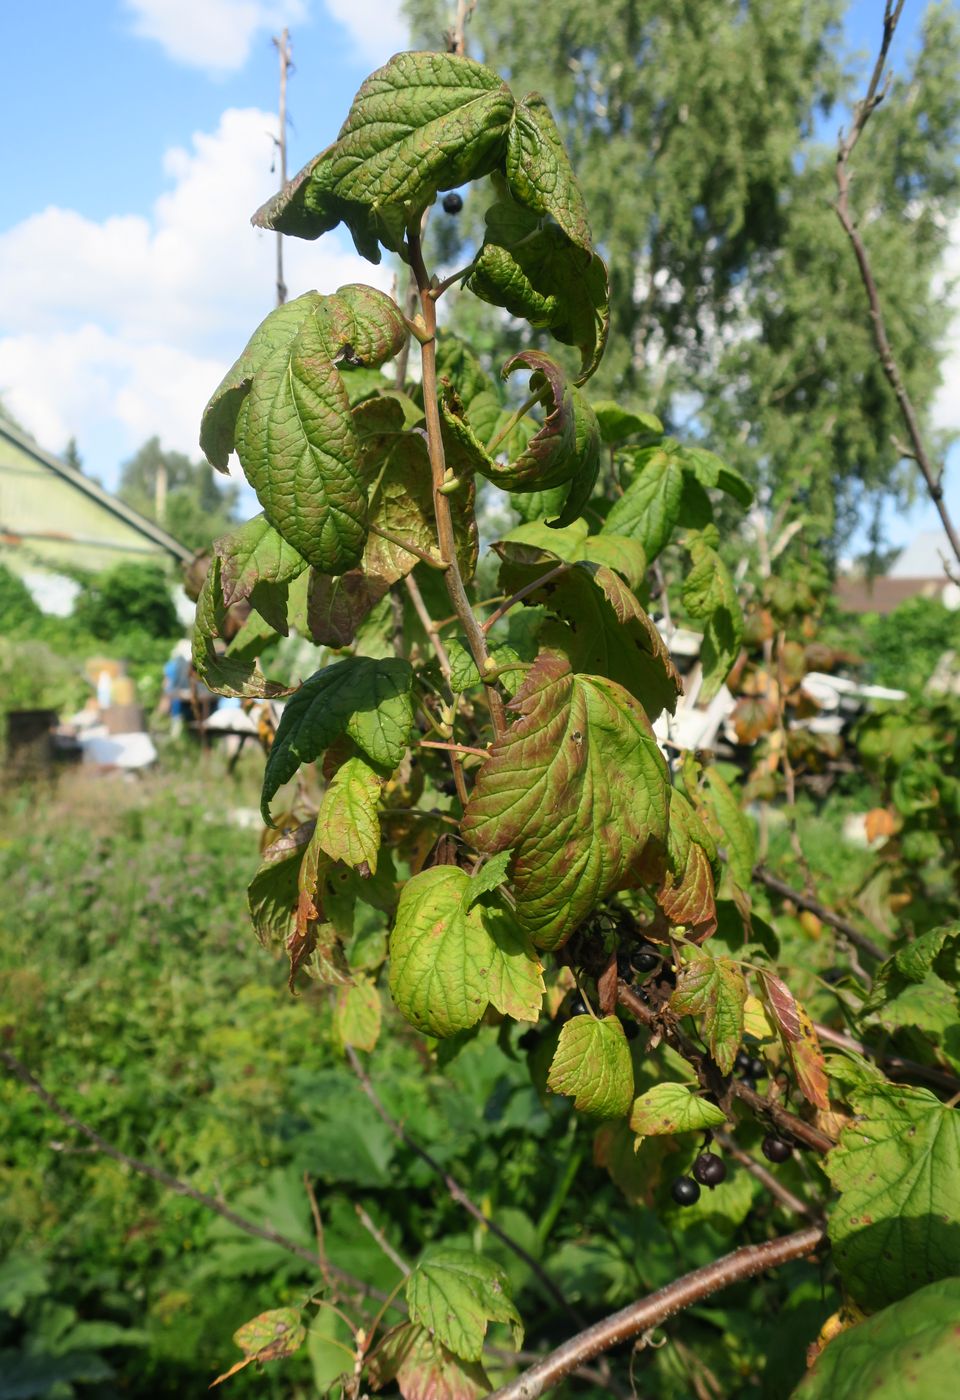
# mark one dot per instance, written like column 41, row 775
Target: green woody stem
column 476, row 638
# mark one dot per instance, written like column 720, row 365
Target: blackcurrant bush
column 709, row 1170
column 743, row 1062
column 685, row 1191
column 452, row 203
column 775, row 1149
column 758, row 1069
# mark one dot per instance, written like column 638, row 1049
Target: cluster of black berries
column 708, row 1170
column 749, row 1068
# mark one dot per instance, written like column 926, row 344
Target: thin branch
column 474, row 633
column 766, row 1178
column 317, row 1225
column 827, row 916
column 522, row 593
column 453, row 1187
column 897, row 1066
column 181, row 1188
column 888, row 362
column 782, row 1118
column 452, row 748
column 653, row 1311
column 456, row 38
column 437, row 291
column 381, row 1240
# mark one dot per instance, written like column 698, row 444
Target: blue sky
column 137, row 141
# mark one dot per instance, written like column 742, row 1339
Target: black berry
column 709, row 1170
column 644, row 959
column 578, row 1007
column 452, row 203
column 747, row 1082
column 630, row 1029
column 685, row 1191
column 758, row 1069
column 743, row 1062
column 775, row 1149
column 528, row 1040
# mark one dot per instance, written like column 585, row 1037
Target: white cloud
column 377, row 27
column 112, row 331
column 215, row 35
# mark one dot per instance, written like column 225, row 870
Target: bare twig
column 897, row 1066
column 766, row 1179
column 453, row 1187
column 476, row 638
column 452, row 748
column 428, row 625
column 317, row 1224
column 827, row 916
column 283, row 49
column 636, row 1318
column 381, row 1240
column 524, row 592
column 782, row 1118
column 876, row 91
column 182, row 1188
column 456, row 38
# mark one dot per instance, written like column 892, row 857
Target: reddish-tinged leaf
column 799, row 1040
column 424, row 1369
column 782, row 1003
column 713, row 988
column 687, row 894
column 753, row 716
column 577, row 788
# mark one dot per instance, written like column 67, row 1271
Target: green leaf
column 255, row 562
column 905, row 1352
column 401, row 503
column 709, row 595
column 464, row 672
column 539, row 172
column 450, row 957
column 348, row 826
column 273, row 336
column 896, row 1225
column 574, row 544
column 424, row 1369
column 455, row 1294
column 651, row 505
column 714, row 989
column 565, row 448
column 617, row 424
column 711, row 471
column 490, row 876
column 673, row 1108
column 273, row 891
column 542, row 275
column 577, row 787
column 592, row 1064
column 357, row 1013
column 368, row 700
column 918, row 957
column 607, row 632
column 295, row 433
column 423, row 122
column 236, row 675
column 733, row 827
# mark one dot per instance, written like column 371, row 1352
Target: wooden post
column 283, row 48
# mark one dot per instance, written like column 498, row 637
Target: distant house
column 54, row 521
column 918, row 573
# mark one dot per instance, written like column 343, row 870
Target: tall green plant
column 492, row 789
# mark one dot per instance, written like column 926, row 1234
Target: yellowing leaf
column 592, row 1064
column 673, row 1108
column 455, row 1294
column 348, row 827
column 268, row 1337
column 356, row 1016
